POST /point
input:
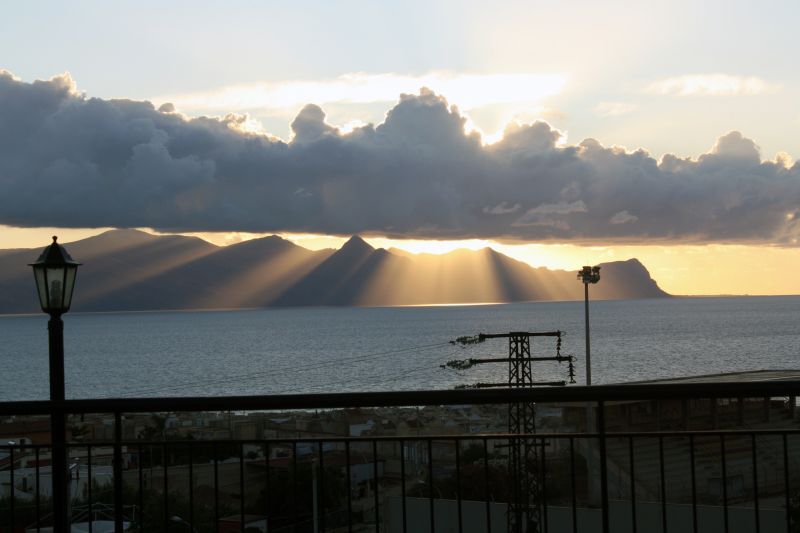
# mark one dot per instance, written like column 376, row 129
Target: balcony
column 679, row 457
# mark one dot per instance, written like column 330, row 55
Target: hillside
column 133, row 270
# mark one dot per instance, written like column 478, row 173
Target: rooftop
column 748, row 375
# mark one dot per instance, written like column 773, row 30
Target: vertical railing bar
column 694, row 484
column 12, row 496
column 38, row 499
column 375, row 474
column 89, row 481
column 241, row 483
column 601, row 426
column 321, row 487
column 514, row 511
column 431, row 504
column 786, row 483
column 631, row 451
column 140, row 496
column 215, row 453
column 693, row 461
column 191, row 484
column 458, row 485
column 663, row 477
column 755, row 483
column 294, row 486
column 68, row 495
column 724, row 481
column 574, row 485
column 119, row 505
column 349, row 488
column 403, row 482
column 268, row 483
column 486, row 485
column 544, row 485
column 166, row 484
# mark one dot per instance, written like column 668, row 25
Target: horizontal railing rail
column 572, row 394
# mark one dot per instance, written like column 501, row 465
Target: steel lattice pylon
column 525, row 508
column 525, row 512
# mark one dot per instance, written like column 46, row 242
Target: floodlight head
column 589, row 274
column 595, row 274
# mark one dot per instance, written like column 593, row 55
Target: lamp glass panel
column 41, row 285
column 71, row 272
column 55, row 288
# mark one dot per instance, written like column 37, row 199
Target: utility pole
column 526, row 505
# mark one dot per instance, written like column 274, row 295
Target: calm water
column 327, row 350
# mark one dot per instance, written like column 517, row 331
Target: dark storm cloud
column 72, row 161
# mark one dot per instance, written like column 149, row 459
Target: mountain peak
column 263, row 244
column 129, row 233
column 117, row 239
column 356, row 243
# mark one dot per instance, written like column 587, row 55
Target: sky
column 560, row 133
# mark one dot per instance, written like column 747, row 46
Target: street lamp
column 587, row 275
column 55, row 272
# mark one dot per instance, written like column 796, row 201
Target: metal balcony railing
column 645, row 457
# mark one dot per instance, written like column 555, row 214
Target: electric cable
column 286, row 369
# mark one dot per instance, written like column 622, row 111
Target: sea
column 314, row 350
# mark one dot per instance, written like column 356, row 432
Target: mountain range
column 127, row 270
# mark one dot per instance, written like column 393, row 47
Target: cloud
column 623, row 217
column 783, row 159
column 550, row 215
column 309, row 126
column 615, row 109
column 735, row 146
column 502, row 209
column 69, row 160
column 711, row 85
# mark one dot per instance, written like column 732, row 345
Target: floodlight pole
column 588, row 345
column 587, row 275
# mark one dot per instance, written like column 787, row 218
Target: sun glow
column 418, row 246
column 468, row 91
column 486, row 138
column 679, row 269
column 14, row 237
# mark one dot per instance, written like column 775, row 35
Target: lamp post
column 55, row 272
column 587, row 275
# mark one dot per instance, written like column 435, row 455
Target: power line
column 280, row 371
column 525, row 507
column 410, row 372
